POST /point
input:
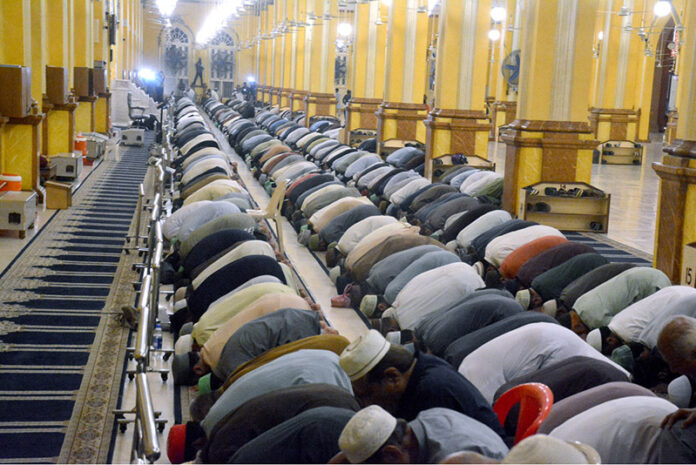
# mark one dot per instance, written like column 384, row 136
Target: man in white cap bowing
column 406, row 384
column 375, row 436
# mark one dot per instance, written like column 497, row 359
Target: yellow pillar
column 287, row 59
column 403, row 110
column 59, row 125
column 618, row 51
column 551, row 140
column 366, row 71
column 676, row 211
column 82, row 24
column 319, row 59
column 458, row 122
column 504, row 106
column 20, row 141
column 297, row 58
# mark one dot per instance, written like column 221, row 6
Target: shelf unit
column 566, row 213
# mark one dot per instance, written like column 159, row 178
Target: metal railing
column 151, row 247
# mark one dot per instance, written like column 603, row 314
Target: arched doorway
column 175, row 56
column 222, row 64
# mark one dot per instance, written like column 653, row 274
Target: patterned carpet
column 612, row 250
column 60, row 344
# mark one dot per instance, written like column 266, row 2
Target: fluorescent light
column 600, row 35
column 662, row 8
column 498, row 14
column 344, row 29
column 494, row 34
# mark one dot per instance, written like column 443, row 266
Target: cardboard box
column 15, row 97
column 57, row 85
column 58, row 195
column 688, row 275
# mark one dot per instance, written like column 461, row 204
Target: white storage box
column 96, row 144
column 68, row 165
column 133, row 136
column 17, row 211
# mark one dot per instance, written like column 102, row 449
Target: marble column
column 551, row 139
column 676, row 210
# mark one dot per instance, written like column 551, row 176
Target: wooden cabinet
column 15, row 96
column 84, row 81
column 566, row 206
column 99, row 79
column 57, row 85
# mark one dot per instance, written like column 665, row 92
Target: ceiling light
column 494, row 34
column 344, row 29
column 662, row 8
column 498, row 14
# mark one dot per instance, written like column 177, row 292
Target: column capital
column 681, row 148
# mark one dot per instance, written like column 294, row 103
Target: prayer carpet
column 61, row 346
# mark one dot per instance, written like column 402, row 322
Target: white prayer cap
column 334, row 273
column 183, row 344
column 679, row 392
column 541, row 448
column 366, row 433
column 394, row 337
column 550, row 307
column 390, row 312
column 368, row 304
column 180, row 305
column 594, row 339
column 363, row 354
column 478, row 266
column 523, row 297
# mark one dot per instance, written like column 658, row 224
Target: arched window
column 222, row 64
column 176, row 53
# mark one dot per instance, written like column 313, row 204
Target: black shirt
column 434, row 383
column 310, row 437
column 262, row 413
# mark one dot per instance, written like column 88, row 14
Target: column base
column 501, row 112
column 615, row 123
column 676, row 212
column 361, row 114
column 21, row 150
column 455, row 131
column 671, row 128
column 402, row 121
column 102, row 113
column 84, row 115
column 318, row 104
column 284, row 98
column 538, row 150
column 297, row 100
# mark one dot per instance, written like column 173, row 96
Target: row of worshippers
column 651, row 280
column 225, row 267
column 392, row 265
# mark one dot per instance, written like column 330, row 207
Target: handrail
column 146, row 417
column 142, row 345
column 146, row 446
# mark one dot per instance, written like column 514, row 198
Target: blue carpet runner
column 611, row 250
column 53, row 312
